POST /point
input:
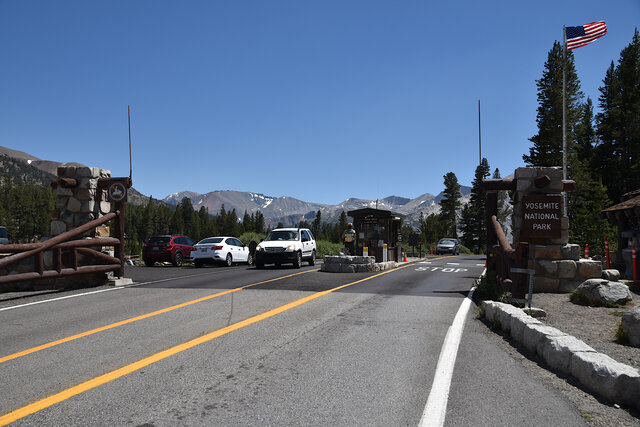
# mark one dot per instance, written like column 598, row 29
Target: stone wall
column 559, row 268
column 81, row 204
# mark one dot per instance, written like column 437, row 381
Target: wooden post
column 119, row 225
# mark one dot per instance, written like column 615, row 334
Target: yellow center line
column 127, row 369
column 135, row 319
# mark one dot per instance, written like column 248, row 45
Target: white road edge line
column 59, row 298
column 436, row 408
column 99, row 291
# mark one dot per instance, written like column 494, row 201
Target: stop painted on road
column 442, row 269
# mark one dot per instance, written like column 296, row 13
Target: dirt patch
column 596, row 326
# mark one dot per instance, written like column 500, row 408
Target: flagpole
column 479, row 137
column 129, row 119
column 564, row 113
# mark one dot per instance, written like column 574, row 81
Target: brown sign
column 117, row 191
column 541, row 218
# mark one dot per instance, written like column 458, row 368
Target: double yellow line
column 125, row 370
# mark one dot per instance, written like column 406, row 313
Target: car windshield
column 447, row 242
column 160, row 239
column 282, row 235
column 210, row 240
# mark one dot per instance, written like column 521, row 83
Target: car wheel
column 149, row 263
column 229, row 260
column 312, row 261
column 249, row 259
column 297, row 263
column 178, row 259
column 197, row 263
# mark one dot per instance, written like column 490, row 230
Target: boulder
column 631, row 325
column 611, row 275
column 603, row 292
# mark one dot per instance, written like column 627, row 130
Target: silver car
column 448, row 246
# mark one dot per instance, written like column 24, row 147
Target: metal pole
column 532, row 276
column 564, row 113
column 129, row 116
column 479, row 137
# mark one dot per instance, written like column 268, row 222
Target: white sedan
column 224, row 250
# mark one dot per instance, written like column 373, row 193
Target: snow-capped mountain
column 291, row 211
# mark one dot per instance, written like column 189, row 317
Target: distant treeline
column 25, row 209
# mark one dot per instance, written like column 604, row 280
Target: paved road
column 240, row 346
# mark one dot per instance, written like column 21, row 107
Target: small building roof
column 631, row 203
column 372, row 211
column 629, row 206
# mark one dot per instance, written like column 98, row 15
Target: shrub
column 325, row 247
column 488, row 288
column 465, row 250
column 248, row 236
column 622, row 337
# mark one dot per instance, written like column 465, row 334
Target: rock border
column 354, row 264
column 564, row 353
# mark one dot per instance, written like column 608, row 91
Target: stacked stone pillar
column 80, row 203
column 558, row 266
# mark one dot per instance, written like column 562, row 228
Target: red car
column 173, row 248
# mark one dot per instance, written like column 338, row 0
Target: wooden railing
column 64, row 243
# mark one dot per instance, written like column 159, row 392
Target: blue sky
column 317, row 100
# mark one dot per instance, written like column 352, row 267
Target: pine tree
column 315, row 226
column 472, row 219
column 547, row 144
column 342, row 222
column 259, row 222
column 450, row 205
column 617, row 156
column 177, row 221
column 589, row 197
column 431, row 229
column 247, row 222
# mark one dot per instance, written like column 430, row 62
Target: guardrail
column 64, row 243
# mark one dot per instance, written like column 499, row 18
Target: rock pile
column 354, row 264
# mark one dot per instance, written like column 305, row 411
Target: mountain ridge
column 288, row 210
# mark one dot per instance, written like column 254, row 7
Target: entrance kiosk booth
column 375, row 228
column 626, row 216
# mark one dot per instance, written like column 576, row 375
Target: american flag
column 585, row 34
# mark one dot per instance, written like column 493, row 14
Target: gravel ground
column 596, row 326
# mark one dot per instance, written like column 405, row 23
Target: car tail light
column 216, row 248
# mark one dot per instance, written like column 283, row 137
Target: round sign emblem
column 117, row 191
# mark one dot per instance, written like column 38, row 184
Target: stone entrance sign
column 541, row 218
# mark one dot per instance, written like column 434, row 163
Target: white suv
column 286, row 245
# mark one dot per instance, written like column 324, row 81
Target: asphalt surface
column 287, row 348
